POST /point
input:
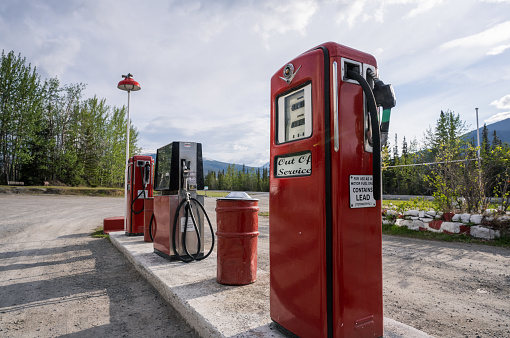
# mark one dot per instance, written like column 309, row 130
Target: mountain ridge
column 213, row 165
column 502, row 129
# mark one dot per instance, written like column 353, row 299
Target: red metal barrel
column 237, row 233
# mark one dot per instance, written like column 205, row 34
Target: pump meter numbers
column 361, row 191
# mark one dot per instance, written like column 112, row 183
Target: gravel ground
column 57, row 280
column 447, row 289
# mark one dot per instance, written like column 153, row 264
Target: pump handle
column 376, row 135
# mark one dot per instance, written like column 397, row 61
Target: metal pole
column 479, row 159
column 477, row 135
column 127, row 162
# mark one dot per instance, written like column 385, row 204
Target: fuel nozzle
column 385, row 98
column 185, row 173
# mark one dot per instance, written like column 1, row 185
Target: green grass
column 415, row 203
column 395, row 230
column 262, row 213
column 62, row 190
column 418, row 203
column 213, row 193
column 98, row 233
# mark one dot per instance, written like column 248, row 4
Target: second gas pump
column 325, row 191
column 178, row 222
column 139, row 190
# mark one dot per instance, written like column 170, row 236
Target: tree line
column 50, row 133
column 447, row 167
column 238, row 180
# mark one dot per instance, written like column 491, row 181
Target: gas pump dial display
column 294, row 118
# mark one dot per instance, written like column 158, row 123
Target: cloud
column 242, row 140
column 502, row 103
column 490, row 37
column 423, row 7
column 205, row 66
column 59, row 54
column 362, row 11
column 283, row 16
column 498, row 117
column 498, row 50
column 351, row 13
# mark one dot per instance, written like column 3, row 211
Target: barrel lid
column 238, row 195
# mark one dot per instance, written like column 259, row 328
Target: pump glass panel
column 294, row 118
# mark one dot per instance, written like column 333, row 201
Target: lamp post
column 477, row 134
column 128, row 84
column 478, row 146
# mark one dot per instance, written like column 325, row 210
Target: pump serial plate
column 361, row 191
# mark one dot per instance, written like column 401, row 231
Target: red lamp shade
column 128, row 84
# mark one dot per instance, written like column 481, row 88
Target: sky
column 205, row 66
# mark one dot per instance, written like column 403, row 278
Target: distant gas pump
column 325, row 191
column 140, row 171
column 178, row 224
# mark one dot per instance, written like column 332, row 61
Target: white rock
column 414, row 218
column 407, row 223
column 421, row 213
column 451, row 227
column 476, row 219
column 439, row 214
column 417, row 224
column 414, row 213
column 430, row 213
column 465, row 218
column 485, row 233
column 387, row 222
column 413, row 225
column 426, row 220
column 490, row 211
column 399, row 222
column 391, row 212
column 456, row 218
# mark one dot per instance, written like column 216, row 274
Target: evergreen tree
column 496, row 142
column 485, row 146
column 395, row 150
column 404, row 149
column 449, row 129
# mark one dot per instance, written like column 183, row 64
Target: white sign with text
column 361, row 189
column 294, row 165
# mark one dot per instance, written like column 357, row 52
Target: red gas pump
column 325, row 233
column 140, row 178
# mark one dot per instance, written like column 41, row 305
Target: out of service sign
column 361, row 191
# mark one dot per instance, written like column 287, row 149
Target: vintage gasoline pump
column 139, row 186
column 325, row 191
column 177, row 226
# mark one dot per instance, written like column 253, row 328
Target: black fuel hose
column 189, row 257
column 150, row 228
column 376, row 135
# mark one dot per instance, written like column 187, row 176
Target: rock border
column 474, row 225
